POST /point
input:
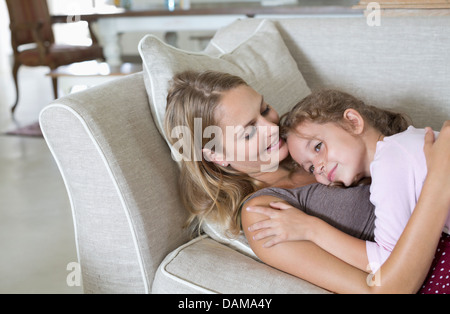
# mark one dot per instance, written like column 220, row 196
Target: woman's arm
column 304, row 259
column 308, row 261
column 287, row 223
column 414, row 252
column 407, row 266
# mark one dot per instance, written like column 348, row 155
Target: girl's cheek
column 322, row 180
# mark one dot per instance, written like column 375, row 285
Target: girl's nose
column 318, row 167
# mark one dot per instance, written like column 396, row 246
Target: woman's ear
column 214, row 157
column 355, row 119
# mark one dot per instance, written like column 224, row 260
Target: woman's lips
column 332, row 174
column 275, row 145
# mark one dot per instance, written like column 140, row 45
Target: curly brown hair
column 329, row 105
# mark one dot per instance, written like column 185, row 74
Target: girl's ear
column 355, row 119
column 214, row 157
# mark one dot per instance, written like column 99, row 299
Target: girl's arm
column 409, row 263
column 287, row 223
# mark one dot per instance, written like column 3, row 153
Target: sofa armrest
column 121, row 183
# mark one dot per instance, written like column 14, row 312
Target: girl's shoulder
column 411, row 133
column 410, row 141
column 400, row 152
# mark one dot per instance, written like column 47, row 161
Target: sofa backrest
column 403, row 64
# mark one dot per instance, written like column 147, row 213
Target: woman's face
column 251, row 134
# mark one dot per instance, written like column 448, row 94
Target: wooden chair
column 31, row 25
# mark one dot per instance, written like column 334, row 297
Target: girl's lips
column 331, row 175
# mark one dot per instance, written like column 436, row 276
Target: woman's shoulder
column 289, row 195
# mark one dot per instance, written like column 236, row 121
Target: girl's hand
column 284, row 223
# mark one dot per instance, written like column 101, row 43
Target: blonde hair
column 329, row 106
column 208, row 190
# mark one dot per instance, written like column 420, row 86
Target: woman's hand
column 284, row 223
column 437, row 154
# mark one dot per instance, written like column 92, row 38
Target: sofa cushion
column 262, row 59
column 205, row 266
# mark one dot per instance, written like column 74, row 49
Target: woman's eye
column 249, row 132
column 318, row 147
column 266, row 111
column 311, row 169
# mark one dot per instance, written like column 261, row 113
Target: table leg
column 109, row 39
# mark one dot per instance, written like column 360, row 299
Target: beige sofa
column 122, row 181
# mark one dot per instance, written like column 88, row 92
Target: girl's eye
column 266, row 111
column 311, row 169
column 251, row 130
column 318, row 147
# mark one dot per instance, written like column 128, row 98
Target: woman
column 217, row 183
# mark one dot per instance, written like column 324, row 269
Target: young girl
column 341, row 141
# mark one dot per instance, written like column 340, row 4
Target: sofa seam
column 180, row 279
column 69, row 193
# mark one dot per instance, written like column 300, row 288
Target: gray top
column 347, row 209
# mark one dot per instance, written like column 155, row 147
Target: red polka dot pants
column 438, row 279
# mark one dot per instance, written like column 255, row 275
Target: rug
column 32, row 130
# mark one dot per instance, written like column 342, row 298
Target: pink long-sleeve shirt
column 398, row 172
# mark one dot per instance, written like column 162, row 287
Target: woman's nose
column 268, row 122
column 270, row 128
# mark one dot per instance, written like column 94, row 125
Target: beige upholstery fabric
column 193, row 269
column 122, row 184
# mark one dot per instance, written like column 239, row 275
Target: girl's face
column 251, row 138
column 328, row 151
